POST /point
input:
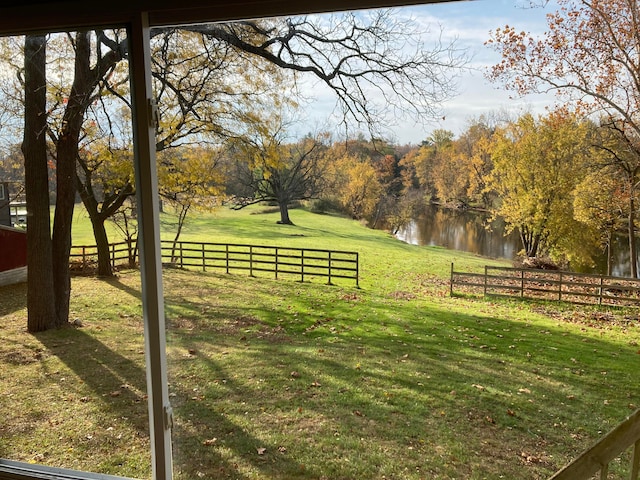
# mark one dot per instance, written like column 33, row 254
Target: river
column 467, row 231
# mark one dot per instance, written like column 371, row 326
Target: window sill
column 10, row 470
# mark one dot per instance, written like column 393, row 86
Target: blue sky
column 469, row 22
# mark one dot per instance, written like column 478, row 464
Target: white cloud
column 468, row 24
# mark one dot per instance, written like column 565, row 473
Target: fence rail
column 547, row 285
column 597, row 458
column 304, row 264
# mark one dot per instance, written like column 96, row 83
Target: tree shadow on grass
column 486, row 382
column 14, row 298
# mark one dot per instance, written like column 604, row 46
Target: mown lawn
column 279, row 379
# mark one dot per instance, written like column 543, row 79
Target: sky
column 469, row 23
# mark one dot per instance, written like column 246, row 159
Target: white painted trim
column 160, row 418
column 13, row 276
column 10, row 470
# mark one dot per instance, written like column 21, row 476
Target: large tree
column 590, row 55
column 40, row 293
column 537, row 164
column 269, row 168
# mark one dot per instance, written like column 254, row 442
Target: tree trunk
column 633, row 254
column 284, row 213
column 102, row 246
column 99, row 231
column 41, row 313
column 67, row 154
column 609, row 253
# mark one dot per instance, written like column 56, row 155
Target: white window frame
column 160, row 413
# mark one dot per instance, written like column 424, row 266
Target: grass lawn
column 279, row 379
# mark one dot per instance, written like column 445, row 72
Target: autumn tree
column 473, row 150
column 268, row 167
column 357, row 186
column 189, row 180
column 430, row 165
column 537, row 164
column 590, row 56
column 600, row 204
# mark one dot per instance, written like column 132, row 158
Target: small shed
column 13, row 255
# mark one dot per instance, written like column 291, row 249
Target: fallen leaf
column 479, row 387
column 211, row 441
column 262, row 451
column 115, row 393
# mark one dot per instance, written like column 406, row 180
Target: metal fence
column 547, row 285
column 303, row 264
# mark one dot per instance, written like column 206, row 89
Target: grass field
column 279, row 379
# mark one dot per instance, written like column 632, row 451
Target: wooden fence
column 547, row 285
column 303, row 264
column 597, row 458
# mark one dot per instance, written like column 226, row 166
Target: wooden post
column 227, row 257
column 604, row 473
column 302, row 265
column 451, row 282
column 277, row 263
column 601, row 288
column 635, row 462
column 251, row 260
column 560, row 288
column 329, row 283
column 204, row 261
column 486, row 280
column 357, row 271
column 522, row 283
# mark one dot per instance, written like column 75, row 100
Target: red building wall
column 13, row 248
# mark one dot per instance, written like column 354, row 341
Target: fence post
column 251, row 260
column 84, row 259
column 601, row 288
column 277, row 262
column 227, row 257
column 329, row 268
column 522, row 283
column 302, row 265
column 486, row 280
column 204, row 260
column 357, row 270
column 181, row 256
column 451, row 282
column 560, row 288
column 635, row 461
column 113, row 255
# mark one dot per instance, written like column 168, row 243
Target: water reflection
column 467, row 231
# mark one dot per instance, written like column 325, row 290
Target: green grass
column 393, row 380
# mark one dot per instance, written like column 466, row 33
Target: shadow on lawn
column 14, row 298
column 118, row 382
column 400, row 374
